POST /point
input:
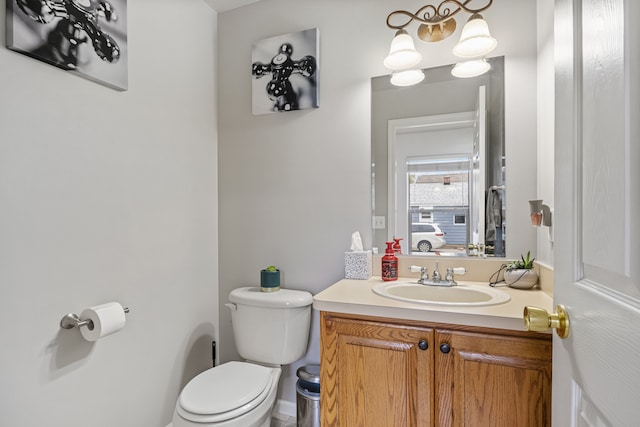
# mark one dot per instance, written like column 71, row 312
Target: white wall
column 109, row 196
column 294, row 186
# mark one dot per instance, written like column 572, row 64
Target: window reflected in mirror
column 438, row 204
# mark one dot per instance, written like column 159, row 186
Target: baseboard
column 285, row 407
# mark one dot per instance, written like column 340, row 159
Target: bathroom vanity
column 395, row 363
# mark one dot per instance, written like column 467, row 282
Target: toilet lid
column 224, row 388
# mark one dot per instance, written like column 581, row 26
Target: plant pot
column 269, row 281
column 521, row 278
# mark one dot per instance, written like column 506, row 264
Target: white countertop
column 357, row 297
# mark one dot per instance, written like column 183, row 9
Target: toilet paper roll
column 107, row 319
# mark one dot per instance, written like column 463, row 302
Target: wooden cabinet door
column 492, row 380
column 375, row 374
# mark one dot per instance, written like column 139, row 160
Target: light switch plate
column 379, row 222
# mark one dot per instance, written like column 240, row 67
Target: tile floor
column 281, row 420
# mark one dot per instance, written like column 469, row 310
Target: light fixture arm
column 431, row 15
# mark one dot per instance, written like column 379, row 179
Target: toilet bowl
column 271, row 329
column 234, row 394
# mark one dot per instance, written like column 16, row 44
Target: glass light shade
column 471, row 68
column 475, row 39
column 402, row 54
column 407, row 77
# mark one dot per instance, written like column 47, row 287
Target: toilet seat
column 224, row 392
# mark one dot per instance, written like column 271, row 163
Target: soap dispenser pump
column 397, row 248
column 389, row 264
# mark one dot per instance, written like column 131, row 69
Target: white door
column 596, row 370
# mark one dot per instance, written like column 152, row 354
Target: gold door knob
column 539, row 320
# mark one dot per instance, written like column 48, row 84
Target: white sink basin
column 461, row 295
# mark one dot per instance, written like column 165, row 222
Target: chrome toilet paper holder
column 71, row 320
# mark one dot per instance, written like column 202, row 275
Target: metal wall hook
column 71, row 320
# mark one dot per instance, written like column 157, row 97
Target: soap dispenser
column 389, row 264
column 397, row 248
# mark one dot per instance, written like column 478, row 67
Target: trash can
column 308, row 396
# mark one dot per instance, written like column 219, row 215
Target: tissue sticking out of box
column 356, row 242
column 357, row 263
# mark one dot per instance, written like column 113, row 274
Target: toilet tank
column 270, row 327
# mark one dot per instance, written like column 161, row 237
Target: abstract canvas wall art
column 285, row 72
column 85, row 37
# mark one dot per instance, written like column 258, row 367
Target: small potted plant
column 270, row 279
column 520, row 273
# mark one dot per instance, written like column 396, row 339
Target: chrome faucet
column 449, row 276
column 436, row 279
column 436, row 274
column 424, row 273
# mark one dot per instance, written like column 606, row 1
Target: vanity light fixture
column 407, row 77
column 472, row 68
column 403, row 53
column 475, row 40
column 436, row 24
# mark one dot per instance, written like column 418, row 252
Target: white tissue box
column 357, row 265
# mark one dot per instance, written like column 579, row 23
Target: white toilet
column 270, row 329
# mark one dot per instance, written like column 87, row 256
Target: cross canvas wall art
column 285, row 72
column 85, row 37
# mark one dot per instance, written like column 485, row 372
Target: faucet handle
column 424, row 274
column 449, row 275
column 450, row 271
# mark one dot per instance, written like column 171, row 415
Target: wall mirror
column 438, row 175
